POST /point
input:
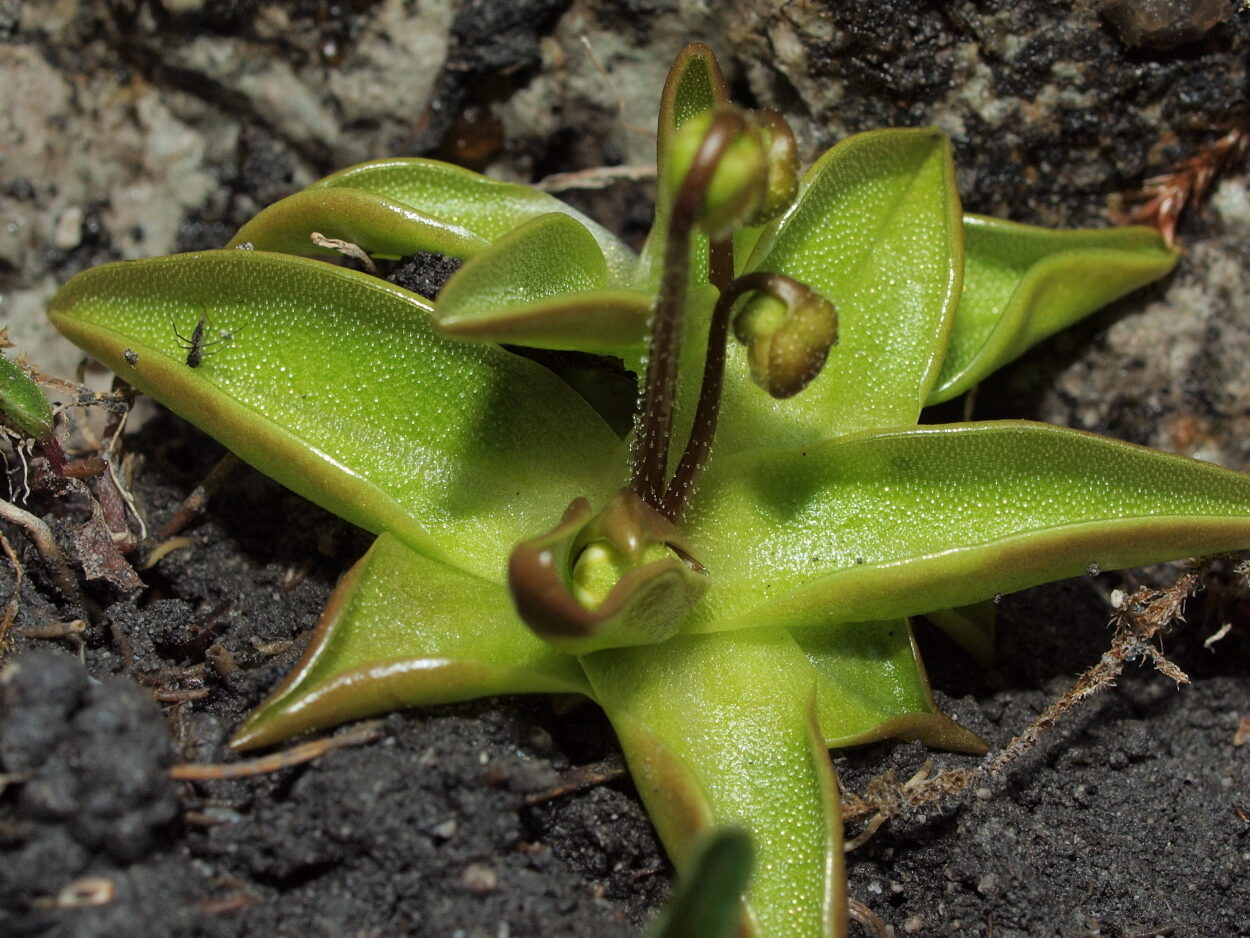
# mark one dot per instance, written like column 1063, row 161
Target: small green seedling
column 732, row 581
column 24, row 410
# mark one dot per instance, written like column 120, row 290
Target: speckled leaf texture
column 336, row 383
column 819, row 524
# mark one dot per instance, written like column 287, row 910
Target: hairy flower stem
column 699, row 446
column 655, row 418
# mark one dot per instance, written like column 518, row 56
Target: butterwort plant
column 729, row 577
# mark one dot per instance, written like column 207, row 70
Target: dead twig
column 269, row 649
column 296, row 755
column 1138, row 620
column 347, row 249
column 579, row 778
column 196, row 502
column 41, row 536
column 598, row 177
column 14, row 603
column 71, row 630
column 885, row 798
column 180, row 696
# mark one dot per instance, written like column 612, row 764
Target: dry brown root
column 41, row 536
column 1139, row 620
column 14, row 603
column 868, row 919
column 296, row 755
column 196, row 502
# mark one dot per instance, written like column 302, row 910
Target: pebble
column 480, row 878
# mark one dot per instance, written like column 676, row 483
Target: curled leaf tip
column 622, row 577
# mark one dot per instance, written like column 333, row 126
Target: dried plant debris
column 1139, row 620
column 1165, row 197
column 71, row 468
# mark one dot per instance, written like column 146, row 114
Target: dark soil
column 424, row 832
column 1129, row 820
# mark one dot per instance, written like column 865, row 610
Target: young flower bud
column 602, row 564
column 621, row 577
column 782, row 156
column 788, row 332
column 722, row 150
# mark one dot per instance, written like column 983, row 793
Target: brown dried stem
column 41, row 536
column 1138, row 620
column 296, row 755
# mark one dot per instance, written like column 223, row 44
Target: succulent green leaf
column 695, row 84
column 454, row 447
column 902, row 522
column 971, row 627
column 546, row 284
column 708, row 897
column 402, row 630
column 1022, row 284
column 381, row 226
column 720, row 729
column 486, row 207
column 871, row 685
column 22, row 403
column 876, row 230
column 605, row 322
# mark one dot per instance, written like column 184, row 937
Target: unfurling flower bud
column 748, row 162
column 622, row 577
column 788, row 331
column 724, row 152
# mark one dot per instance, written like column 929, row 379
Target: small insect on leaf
column 196, row 347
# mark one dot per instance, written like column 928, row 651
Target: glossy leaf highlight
column 717, row 730
column 454, row 447
column 545, row 283
column 402, row 630
column 902, row 522
column 381, row 226
column 487, row 207
column 871, row 685
column 876, row 230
